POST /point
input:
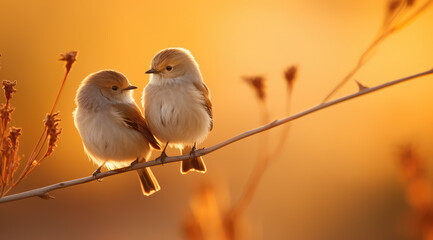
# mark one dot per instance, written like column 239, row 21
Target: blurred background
column 338, row 176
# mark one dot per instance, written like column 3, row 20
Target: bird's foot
column 163, row 154
column 134, row 162
column 96, row 172
column 192, row 153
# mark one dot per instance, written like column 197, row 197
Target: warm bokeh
column 338, row 176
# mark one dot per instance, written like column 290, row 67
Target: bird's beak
column 152, row 70
column 130, row 87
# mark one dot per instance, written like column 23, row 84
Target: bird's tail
column 149, row 185
column 193, row 164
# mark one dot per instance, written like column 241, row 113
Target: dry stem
column 50, row 132
column 264, row 157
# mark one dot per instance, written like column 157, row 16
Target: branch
column 43, row 192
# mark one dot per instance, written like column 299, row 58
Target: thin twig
column 61, row 89
column 43, row 192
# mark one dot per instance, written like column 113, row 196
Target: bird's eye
column 169, row 68
column 114, row 88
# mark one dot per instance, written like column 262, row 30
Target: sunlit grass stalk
column 9, row 159
column 6, row 110
column 290, row 76
column 50, row 132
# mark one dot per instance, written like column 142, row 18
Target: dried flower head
column 5, row 115
column 9, row 160
column 53, row 131
column 290, row 75
column 396, row 10
column 8, row 87
column 5, row 109
column 14, row 133
column 14, row 160
column 410, row 3
column 258, row 83
column 70, row 58
column 393, row 5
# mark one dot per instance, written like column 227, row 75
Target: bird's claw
column 134, row 162
column 96, row 172
column 192, row 153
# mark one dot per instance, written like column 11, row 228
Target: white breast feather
column 176, row 114
column 107, row 139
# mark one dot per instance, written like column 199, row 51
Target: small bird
column 112, row 127
column 177, row 104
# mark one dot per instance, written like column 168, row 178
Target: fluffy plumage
column 177, row 103
column 112, row 127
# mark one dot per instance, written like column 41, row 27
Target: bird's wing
column 133, row 118
column 201, row 86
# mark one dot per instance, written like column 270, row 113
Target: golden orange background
column 338, row 176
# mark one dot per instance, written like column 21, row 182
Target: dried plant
column 398, row 15
column 418, row 191
column 5, row 109
column 208, row 211
column 10, row 160
column 69, row 58
column 264, row 158
column 206, row 217
column 258, row 84
column 10, row 152
column 290, row 76
column 232, row 216
column 52, row 123
column 9, row 143
column 396, row 18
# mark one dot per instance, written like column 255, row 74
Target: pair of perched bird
column 177, row 112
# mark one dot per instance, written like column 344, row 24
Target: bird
column 177, row 105
column 112, row 126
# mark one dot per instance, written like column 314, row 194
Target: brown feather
column 201, row 86
column 133, row 117
column 149, row 185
